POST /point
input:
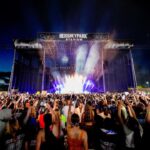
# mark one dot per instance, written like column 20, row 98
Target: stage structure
column 72, row 63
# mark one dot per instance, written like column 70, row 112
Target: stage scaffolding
column 36, row 61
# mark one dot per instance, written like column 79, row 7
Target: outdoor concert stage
column 72, row 63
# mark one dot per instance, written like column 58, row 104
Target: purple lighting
column 73, row 84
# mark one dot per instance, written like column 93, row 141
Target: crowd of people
column 100, row 121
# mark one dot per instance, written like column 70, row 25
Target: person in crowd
column 13, row 137
column 77, row 138
column 40, row 118
column 5, row 115
column 88, row 122
column 88, row 115
column 49, row 136
column 80, row 110
column 131, row 127
column 31, row 130
column 105, row 112
column 146, row 133
column 45, row 138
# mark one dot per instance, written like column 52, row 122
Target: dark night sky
column 126, row 19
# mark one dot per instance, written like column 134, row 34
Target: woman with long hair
column 49, row 137
column 45, row 137
column 88, row 123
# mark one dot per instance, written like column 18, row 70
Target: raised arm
column 119, row 113
column 131, row 110
column 50, row 109
column 69, row 118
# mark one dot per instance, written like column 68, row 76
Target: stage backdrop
column 93, row 61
